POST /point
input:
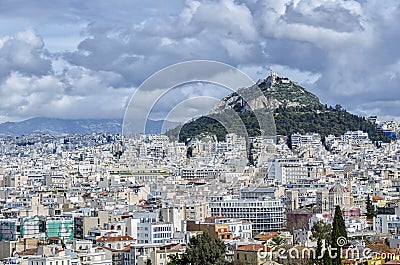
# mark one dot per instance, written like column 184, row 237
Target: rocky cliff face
column 278, row 91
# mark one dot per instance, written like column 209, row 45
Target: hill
column 294, row 110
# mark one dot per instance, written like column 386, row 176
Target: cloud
column 343, row 50
column 222, row 31
column 24, row 53
column 366, row 72
column 30, row 86
column 23, row 96
column 338, row 16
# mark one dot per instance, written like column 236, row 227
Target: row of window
column 162, row 228
column 254, row 210
column 163, row 235
column 62, row 262
column 246, row 204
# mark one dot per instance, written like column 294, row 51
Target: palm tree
column 277, row 241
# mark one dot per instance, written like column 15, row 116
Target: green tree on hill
column 370, row 208
column 288, row 120
column 339, row 235
column 322, row 232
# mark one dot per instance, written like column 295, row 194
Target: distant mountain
column 56, row 126
column 293, row 108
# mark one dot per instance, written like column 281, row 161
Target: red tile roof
column 267, row 237
column 253, row 247
column 114, row 238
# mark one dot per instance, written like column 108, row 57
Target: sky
column 84, row 59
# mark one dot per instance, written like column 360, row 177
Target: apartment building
column 223, row 228
column 387, row 223
column 293, row 171
column 264, row 215
column 9, row 230
column 53, row 261
column 309, row 139
column 154, row 233
column 61, row 227
column 202, row 173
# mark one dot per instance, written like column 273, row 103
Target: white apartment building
column 355, row 136
column 239, row 228
column 202, row 173
column 309, row 139
column 387, row 224
column 292, row 171
column 53, row 261
column 94, row 257
column 354, row 225
column 264, row 215
column 258, row 193
column 154, row 233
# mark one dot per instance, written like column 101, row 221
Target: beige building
column 248, row 254
column 339, row 195
column 8, row 248
column 82, row 225
column 161, row 256
column 115, row 242
column 15, row 180
column 95, row 256
column 195, row 211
